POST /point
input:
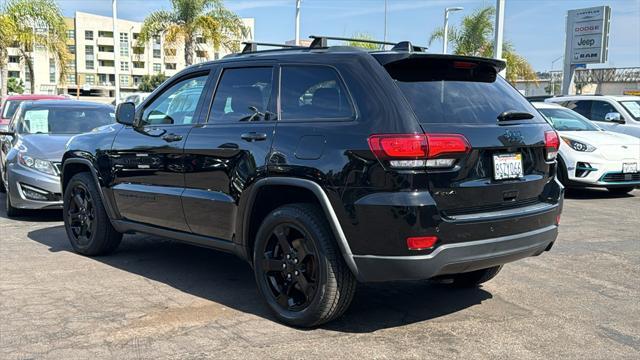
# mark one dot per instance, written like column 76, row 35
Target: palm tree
column 37, row 23
column 474, row 38
column 189, row 19
column 7, row 32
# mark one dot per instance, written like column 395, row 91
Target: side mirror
column 126, row 113
column 614, row 117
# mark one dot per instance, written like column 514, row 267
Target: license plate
column 507, row 166
column 628, row 168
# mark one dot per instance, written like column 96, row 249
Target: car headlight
column 44, row 166
column 579, row 146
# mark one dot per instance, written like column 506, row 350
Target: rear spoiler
column 387, row 58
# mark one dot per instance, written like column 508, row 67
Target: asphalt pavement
column 155, row 298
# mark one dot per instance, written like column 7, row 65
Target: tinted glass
column 313, row 92
column 10, row 108
column 568, row 120
column 63, row 120
column 243, row 94
column 440, row 92
column 582, row 107
column 599, row 109
column 176, row 105
column 633, row 107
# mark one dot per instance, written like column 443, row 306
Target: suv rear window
column 439, row 92
column 313, row 92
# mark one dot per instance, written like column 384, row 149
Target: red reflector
column 399, row 146
column 446, row 144
column 464, row 65
column 551, row 140
column 421, row 242
column 558, row 219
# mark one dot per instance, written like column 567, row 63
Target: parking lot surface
column 155, row 298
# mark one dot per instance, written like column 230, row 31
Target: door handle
column 172, row 137
column 253, row 136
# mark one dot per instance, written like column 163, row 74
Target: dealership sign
column 588, row 35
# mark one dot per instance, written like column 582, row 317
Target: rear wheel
column 299, row 269
column 621, row 190
column 85, row 219
column 474, row 278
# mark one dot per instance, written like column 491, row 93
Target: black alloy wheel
column 81, row 215
column 290, row 267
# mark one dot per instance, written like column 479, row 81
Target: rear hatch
column 505, row 165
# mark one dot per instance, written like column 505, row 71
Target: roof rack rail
column 252, row 46
column 321, row 42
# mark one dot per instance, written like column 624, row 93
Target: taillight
column 421, row 242
column 418, row 150
column 552, row 144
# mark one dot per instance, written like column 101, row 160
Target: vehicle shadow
column 227, row 280
column 595, row 193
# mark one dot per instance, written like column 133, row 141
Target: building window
column 124, row 65
column 156, row 40
column 71, row 65
column 105, row 48
column 124, row 80
column 106, row 63
column 71, row 49
column 124, row 44
column 157, row 68
column 14, row 74
column 90, row 79
column 201, row 53
column 156, row 53
column 27, row 76
column 137, row 80
column 71, row 34
column 14, row 59
column 170, row 66
column 52, row 71
column 71, row 79
column 105, row 34
column 170, row 52
column 138, row 64
column 89, row 64
column 88, row 35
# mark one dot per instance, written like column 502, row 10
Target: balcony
column 106, row 70
column 103, row 55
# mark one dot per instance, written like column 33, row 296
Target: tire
column 475, row 278
column 621, row 190
column 295, row 240
column 88, row 227
column 12, row 211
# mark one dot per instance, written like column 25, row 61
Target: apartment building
column 91, row 70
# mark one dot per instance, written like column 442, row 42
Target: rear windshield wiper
column 514, row 115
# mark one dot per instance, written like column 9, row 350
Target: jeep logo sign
column 588, row 35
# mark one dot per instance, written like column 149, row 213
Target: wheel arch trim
column 324, row 202
column 89, row 165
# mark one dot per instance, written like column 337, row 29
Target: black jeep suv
column 323, row 167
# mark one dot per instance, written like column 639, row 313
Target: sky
column 535, row 27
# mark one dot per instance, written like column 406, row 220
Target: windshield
column 568, row 120
column 10, row 108
column 60, row 120
column 633, row 107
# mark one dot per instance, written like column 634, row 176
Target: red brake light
column 447, row 144
column 552, row 144
column 399, row 146
column 464, row 65
column 421, row 242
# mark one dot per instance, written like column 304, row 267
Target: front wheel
column 620, row 190
column 9, row 208
column 299, row 269
column 85, row 219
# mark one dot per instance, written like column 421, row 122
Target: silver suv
column 617, row 113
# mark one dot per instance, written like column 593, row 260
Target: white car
column 590, row 156
column 617, row 113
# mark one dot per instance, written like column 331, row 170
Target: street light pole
column 297, row 36
column 445, row 35
column 116, row 51
column 553, row 89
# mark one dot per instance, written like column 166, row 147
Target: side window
column 176, row 105
column 313, row 92
column 582, row 107
column 600, row 109
column 243, row 94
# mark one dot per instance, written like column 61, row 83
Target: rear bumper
column 456, row 258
